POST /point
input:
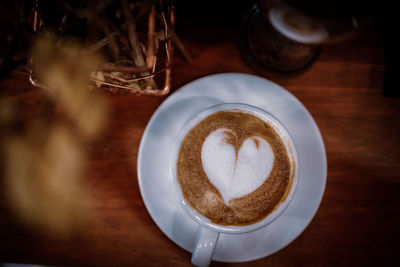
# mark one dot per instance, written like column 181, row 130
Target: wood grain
column 356, row 224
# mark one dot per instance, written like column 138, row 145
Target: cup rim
column 289, row 145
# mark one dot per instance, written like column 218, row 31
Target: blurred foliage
column 44, row 161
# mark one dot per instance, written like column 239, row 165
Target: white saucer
column 170, row 117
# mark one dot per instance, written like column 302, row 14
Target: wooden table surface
column 357, row 222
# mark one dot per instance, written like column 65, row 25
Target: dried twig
column 124, row 68
column 118, row 78
column 151, row 57
column 121, row 39
column 112, row 43
column 132, row 63
column 137, row 55
column 176, row 39
column 93, row 48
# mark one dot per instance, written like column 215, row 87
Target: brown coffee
column 236, row 129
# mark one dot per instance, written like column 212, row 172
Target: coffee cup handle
column 206, row 242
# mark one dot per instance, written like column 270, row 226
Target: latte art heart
column 236, row 173
column 233, row 168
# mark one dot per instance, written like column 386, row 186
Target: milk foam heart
column 233, row 176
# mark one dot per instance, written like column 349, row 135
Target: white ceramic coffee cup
column 208, row 233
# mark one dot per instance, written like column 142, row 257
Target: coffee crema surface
column 234, row 168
